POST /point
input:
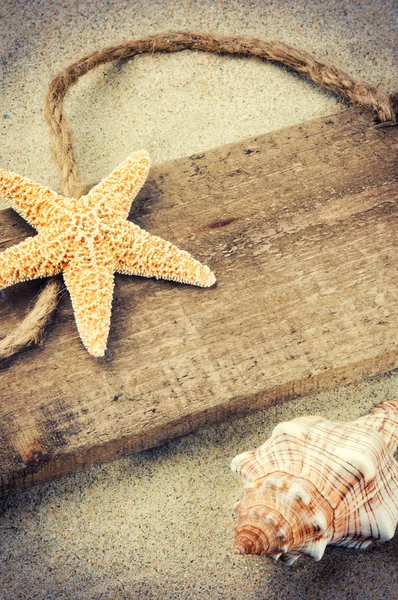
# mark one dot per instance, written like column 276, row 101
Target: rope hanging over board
column 357, row 92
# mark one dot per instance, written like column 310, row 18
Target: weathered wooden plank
column 300, row 227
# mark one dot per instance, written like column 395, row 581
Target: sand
column 160, row 524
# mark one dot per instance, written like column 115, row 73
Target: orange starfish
column 88, row 240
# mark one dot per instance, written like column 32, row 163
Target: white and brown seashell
column 315, row 482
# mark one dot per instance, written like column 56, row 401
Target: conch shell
column 315, row 482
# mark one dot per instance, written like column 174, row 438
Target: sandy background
column 160, row 524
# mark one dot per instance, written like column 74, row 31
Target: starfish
column 88, row 240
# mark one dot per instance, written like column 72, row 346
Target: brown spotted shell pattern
column 315, row 482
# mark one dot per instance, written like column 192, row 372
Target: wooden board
column 300, row 227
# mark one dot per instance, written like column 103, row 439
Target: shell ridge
column 384, row 420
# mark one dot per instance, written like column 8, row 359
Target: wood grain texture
column 300, row 227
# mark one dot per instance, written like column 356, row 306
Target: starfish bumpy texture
column 88, row 240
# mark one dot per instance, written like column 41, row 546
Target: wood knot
column 218, row 224
column 36, row 458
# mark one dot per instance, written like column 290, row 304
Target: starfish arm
column 90, row 282
column 33, row 258
column 34, row 202
column 139, row 253
column 117, row 191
